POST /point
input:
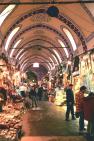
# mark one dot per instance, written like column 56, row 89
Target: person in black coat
column 3, row 97
column 70, row 102
column 33, row 97
column 40, row 93
column 90, row 126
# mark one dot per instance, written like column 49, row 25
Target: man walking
column 70, row 102
column 79, row 107
column 33, row 96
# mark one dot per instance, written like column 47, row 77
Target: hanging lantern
column 53, row 11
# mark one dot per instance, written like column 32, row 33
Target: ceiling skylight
column 5, row 13
column 69, row 35
column 25, row 64
column 58, row 56
column 63, row 46
column 21, row 56
column 52, row 61
column 22, row 67
column 19, row 53
column 35, row 65
column 55, row 59
column 14, row 47
column 10, row 37
column 50, row 65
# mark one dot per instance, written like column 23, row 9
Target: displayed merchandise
column 60, row 97
column 76, row 81
column 84, row 76
column 10, row 121
column 86, row 72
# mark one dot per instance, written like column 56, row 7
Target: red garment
column 79, row 98
column 89, row 108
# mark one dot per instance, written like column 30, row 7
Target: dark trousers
column 1, row 108
column 34, row 101
column 90, row 127
column 70, row 109
column 22, row 93
column 81, row 121
column 40, row 96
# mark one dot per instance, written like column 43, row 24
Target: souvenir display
column 10, row 120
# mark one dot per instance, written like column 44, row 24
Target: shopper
column 23, row 90
column 69, row 102
column 79, row 97
column 36, row 89
column 90, row 128
column 33, row 96
column 3, row 97
column 40, row 93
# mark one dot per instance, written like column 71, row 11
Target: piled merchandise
column 10, row 121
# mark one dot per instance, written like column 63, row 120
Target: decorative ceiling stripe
column 43, row 26
column 36, row 55
column 62, row 18
column 33, row 56
column 34, row 40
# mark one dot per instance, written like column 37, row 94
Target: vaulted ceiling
column 28, row 34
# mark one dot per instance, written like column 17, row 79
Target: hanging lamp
column 53, row 11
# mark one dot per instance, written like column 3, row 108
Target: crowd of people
column 32, row 94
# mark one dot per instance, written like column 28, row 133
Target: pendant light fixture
column 53, row 11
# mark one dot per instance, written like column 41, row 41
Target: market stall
column 10, row 121
column 84, row 74
column 60, row 97
column 86, row 71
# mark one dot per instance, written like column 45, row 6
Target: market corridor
column 49, row 121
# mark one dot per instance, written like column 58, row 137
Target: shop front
column 84, row 75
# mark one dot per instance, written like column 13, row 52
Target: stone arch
column 61, row 17
column 52, row 44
